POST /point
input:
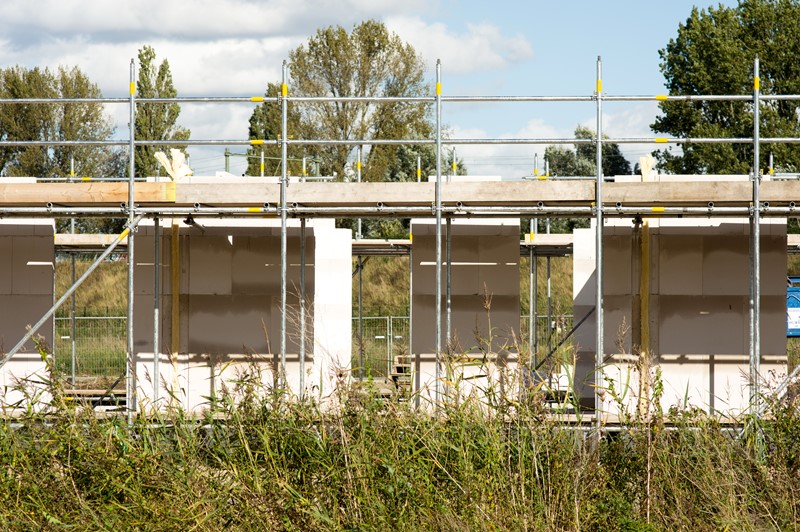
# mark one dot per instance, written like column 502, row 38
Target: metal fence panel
column 100, row 346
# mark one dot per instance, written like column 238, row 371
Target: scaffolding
column 565, row 198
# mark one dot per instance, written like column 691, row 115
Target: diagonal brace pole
column 69, row 292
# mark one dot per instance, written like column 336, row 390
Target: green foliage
column 368, row 61
column 713, row 53
column 583, row 160
column 53, row 122
column 155, row 121
column 265, row 124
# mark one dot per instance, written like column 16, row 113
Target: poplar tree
column 155, row 121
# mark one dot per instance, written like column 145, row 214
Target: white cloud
column 631, row 121
column 482, row 47
column 511, row 161
column 197, row 21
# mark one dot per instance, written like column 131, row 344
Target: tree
column 583, row 160
column 713, row 53
column 265, row 124
column 369, row 61
column 155, row 121
column 53, row 122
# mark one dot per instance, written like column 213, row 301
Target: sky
column 500, row 48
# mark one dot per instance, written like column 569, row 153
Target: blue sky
column 235, row 47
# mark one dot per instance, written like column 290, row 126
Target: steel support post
column 438, row 209
column 156, row 309
column 284, row 244
column 72, row 322
column 302, row 308
column 448, row 331
column 360, row 266
column 755, row 239
column 360, row 283
column 411, row 356
column 130, row 388
column 599, row 384
column 549, row 297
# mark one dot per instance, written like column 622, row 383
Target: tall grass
column 363, row 463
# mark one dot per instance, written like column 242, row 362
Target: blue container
column 793, row 307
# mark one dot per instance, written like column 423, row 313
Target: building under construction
column 250, row 276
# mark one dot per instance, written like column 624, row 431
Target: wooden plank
column 551, row 192
column 389, row 194
column 87, row 240
column 83, row 194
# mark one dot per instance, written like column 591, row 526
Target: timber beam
column 386, row 198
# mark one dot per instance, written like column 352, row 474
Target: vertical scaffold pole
column 302, row 307
column 358, row 180
column 156, row 309
column 72, row 331
column 411, row 358
column 284, row 246
column 755, row 239
column 130, row 388
column 360, row 266
column 438, row 208
column 448, row 284
column 550, row 327
column 535, row 294
column 531, row 299
column 599, row 248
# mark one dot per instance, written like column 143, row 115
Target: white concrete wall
column 698, row 313
column 229, row 309
column 484, row 263
column 27, row 264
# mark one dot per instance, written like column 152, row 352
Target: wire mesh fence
column 384, row 338
column 100, row 346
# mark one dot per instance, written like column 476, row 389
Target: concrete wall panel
column 6, row 265
column 680, row 264
column 32, row 264
column 210, row 259
column 699, row 312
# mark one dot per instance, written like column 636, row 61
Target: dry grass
column 105, row 292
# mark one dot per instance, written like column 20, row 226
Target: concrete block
column 691, row 325
column 680, row 264
column 210, row 259
column 32, row 264
column 726, row 265
column 228, row 324
column 22, row 384
column 6, row 265
column 17, row 312
column 773, row 261
column 249, row 267
column 617, row 278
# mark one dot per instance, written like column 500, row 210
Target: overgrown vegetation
column 363, row 463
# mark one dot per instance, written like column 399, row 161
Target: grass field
column 369, row 464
